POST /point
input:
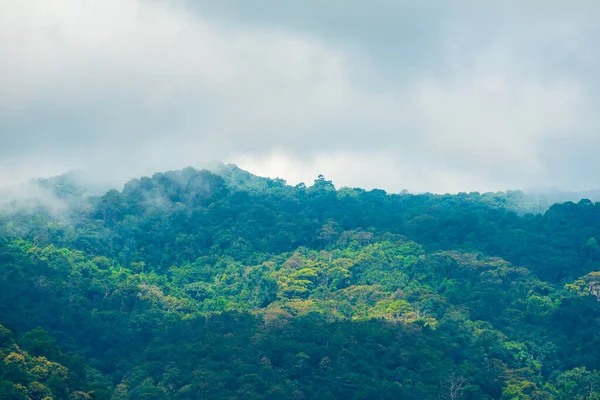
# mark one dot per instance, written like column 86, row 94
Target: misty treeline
column 224, row 285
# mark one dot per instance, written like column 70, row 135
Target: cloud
column 395, row 95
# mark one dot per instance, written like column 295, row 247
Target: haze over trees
column 224, row 285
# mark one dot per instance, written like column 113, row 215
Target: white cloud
column 126, row 87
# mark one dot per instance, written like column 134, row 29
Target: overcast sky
column 441, row 96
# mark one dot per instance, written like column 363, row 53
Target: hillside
column 194, row 284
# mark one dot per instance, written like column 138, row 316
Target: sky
column 431, row 96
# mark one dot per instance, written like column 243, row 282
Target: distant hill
column 200, row 284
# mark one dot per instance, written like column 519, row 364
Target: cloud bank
column 395, row 95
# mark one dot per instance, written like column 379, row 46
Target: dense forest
column 195, row 284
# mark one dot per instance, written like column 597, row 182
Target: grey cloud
column 381, row 93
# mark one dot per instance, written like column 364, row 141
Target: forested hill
column 224, row 285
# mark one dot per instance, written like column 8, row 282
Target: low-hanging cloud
column 458, row 100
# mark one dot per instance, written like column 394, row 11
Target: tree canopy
column 224, row 285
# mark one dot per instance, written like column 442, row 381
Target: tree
column 592, row 245
column 454, row 386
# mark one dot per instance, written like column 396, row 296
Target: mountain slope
column 190, row 284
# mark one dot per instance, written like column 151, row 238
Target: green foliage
column 25, row 375
column 194, row 285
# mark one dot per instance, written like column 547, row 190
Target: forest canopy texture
column 223, row 285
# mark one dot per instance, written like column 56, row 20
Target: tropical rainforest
column 198, row 284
